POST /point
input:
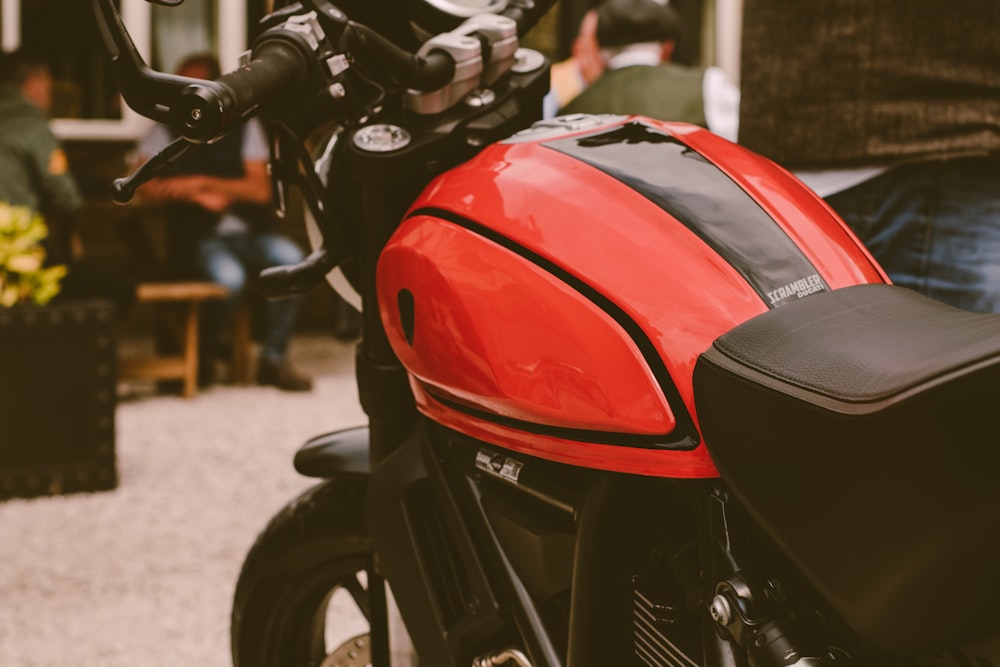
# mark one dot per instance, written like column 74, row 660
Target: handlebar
column 309, row 58
column 289, row 60
column 206, row 110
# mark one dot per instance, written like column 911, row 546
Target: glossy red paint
column 496, row 333
column 677, row 290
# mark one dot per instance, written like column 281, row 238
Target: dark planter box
column 58, row 375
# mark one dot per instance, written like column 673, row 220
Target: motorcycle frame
column 425, row 505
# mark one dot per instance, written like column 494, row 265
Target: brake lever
column 123, row 189
column 286, row 280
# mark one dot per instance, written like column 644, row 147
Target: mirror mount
column 149, row 92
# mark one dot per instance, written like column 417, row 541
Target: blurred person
column 34, row 173
column 221, row 227
column 890, row 110
column 570, row 76
column 637, row 40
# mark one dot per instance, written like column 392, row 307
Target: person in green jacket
column 637, row 40
column 34, row 173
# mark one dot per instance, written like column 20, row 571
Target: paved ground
column 142, row 576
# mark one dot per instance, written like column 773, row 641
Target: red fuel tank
column 552, row 295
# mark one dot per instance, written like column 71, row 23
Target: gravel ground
column 144, row 575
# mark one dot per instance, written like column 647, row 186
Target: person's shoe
column 283, row 375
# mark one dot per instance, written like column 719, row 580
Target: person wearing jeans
column 934, row 226
column 232, row 260
column 220, row 227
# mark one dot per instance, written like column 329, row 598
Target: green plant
column 23, row 274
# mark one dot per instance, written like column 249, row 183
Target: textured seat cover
column 860, row 347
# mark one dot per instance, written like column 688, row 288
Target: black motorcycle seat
column 858, row 427
column 859, row 349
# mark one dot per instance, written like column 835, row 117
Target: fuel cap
column 381, row 138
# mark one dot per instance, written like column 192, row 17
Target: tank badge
column 498, row 465
column 797, row 290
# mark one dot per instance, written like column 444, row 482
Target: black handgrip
column 436, row 67
column 207, row 110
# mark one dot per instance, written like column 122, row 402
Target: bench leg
column 242, row 335
column 191, row 350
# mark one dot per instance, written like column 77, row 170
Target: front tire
column 302, row 598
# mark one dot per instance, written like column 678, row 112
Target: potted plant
column 57, row 373
column 24, row 278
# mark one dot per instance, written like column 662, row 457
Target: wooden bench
column 185, row 298
column 139, row 232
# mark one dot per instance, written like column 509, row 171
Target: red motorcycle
column 635, row 394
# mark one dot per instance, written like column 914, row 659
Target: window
column 87, row 104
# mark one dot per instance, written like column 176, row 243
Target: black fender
column 338, row 454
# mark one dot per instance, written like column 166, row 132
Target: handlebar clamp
column 466, row 52
column 494, row 35
column 500, row 36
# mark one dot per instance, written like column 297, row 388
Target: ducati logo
column 798, row 289
column 498, row 465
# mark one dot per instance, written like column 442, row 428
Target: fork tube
column 601, row 586
column 383, row 386
column 378, row 615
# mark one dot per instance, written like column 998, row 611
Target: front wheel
column 302, row 595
